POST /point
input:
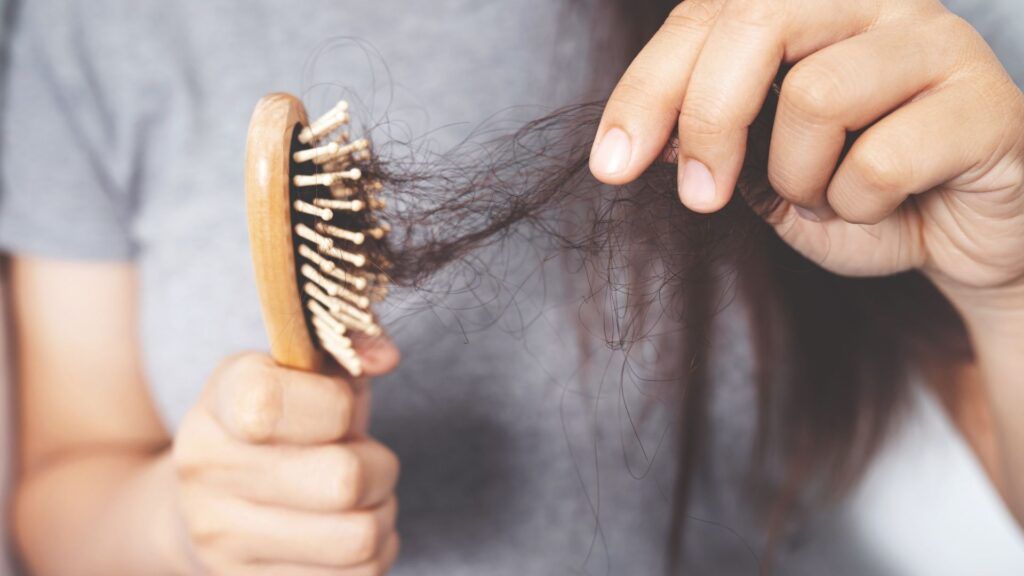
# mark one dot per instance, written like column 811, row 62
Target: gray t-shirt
column 124, row 134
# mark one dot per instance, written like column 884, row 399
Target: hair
column 834, row 355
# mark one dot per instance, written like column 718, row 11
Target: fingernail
column 696, row 186
column 613, row 152
column 824, row 213
column 806, row 214
column 815, row 213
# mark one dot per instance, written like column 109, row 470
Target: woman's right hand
column 276, row 475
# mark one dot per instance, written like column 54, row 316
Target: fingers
column 378, row 354
column 243, row 532
column 266, row 485
column 642, row 110
column 920, row 146
column 725, row 94
column 729, row 84
column 334, row 540
column 844, row 87
column 257, row 401
column 329, row 478
column 375, row 567
column 891, row 246
column 707, row 72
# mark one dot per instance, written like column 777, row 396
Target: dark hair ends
column 834, row 355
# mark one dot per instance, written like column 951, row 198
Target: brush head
column 319, row 246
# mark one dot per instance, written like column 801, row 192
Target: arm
column 996, row 323
column 270, row 473
column 94, row 488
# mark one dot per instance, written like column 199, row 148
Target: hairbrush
column 318, row 244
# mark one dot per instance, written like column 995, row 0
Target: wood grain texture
column 270, row 230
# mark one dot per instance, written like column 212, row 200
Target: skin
column 934, row 183
column 271, row 472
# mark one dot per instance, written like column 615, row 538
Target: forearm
column 103, row 513
column 996, row 323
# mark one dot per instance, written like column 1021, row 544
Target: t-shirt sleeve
column 64, row 192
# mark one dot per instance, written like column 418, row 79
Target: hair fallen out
column 834, row 355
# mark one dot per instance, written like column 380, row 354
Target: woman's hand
column 276, row 474
column 935, row 180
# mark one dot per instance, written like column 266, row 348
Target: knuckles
column 247, row 391
column 640, row 90
column 758, row 13
column 205, row 532
column 956, row 28
column 703, row 117
column 347, row 475
column 371, row 532
column 693, row 15
column 256, row 412
column 812, row 90
column 791, row 184
column 250, row 387
column 882, row 169
column 872, row 181
column 346, row 478
column 850, row 208
column 366, row 536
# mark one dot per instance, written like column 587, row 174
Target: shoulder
column 68, row 88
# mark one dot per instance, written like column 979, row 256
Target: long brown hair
column 834, row 355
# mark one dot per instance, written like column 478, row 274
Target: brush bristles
column 328, row 178
column 340, row 240
column 334, row 152
column 323, row 126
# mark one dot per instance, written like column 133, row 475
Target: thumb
column 378, row 353
column 379, row 356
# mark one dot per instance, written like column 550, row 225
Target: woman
column 150, row 446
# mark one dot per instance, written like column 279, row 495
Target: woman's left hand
column 935, row 181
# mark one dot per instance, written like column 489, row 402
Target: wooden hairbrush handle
column 270, row 230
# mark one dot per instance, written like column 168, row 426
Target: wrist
column 991, row 314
